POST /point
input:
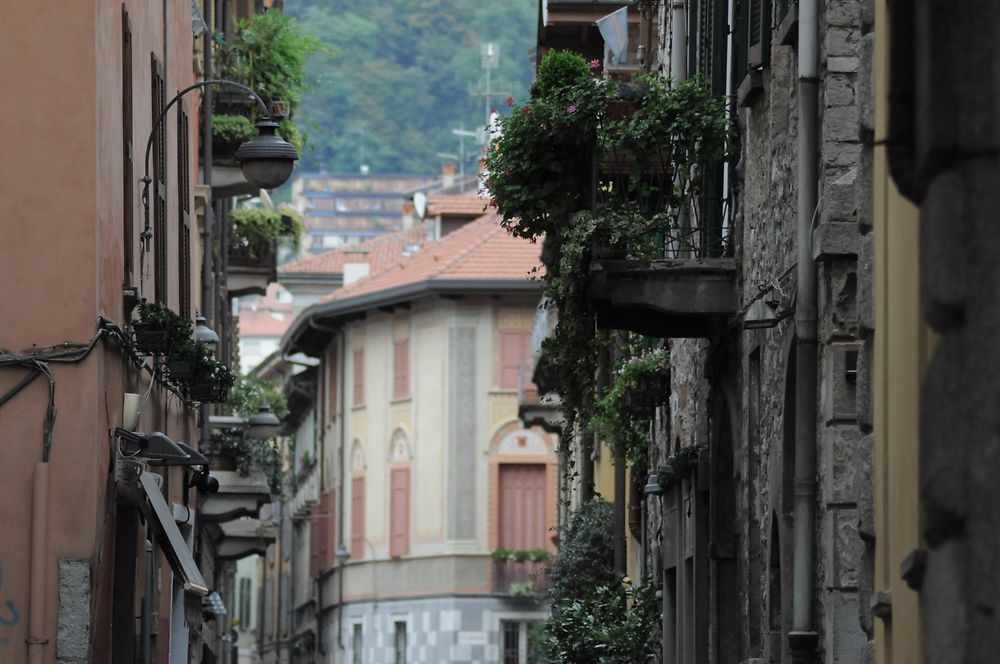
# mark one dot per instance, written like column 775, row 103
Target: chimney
column 409, row 212
column 448, row 174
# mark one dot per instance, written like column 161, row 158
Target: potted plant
column 212, row 379
column 159, row 328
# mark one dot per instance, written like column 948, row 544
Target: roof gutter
column 309, row 319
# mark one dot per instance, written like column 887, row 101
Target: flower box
column 180, row 370
column 208, row 392
column 150, row 338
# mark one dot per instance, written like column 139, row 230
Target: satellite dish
column 420, row 203
column 265, row 199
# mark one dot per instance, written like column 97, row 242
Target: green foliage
column 254, row 226
column 615, row 418
column 520, row 555
column 250, row 392
column 248, row 454
column 616, row 624
column 586, row 555
column 402, row 76
column 648, row 141
column 268, row 54
column 681, row 465
column 232, row 129
column 160, row 317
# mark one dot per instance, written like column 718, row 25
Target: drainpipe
column 803, row 638
column 36, row 580
column 678, row 40
column 342, row 398
column 207, row 301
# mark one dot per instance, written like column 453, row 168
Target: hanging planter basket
column 208, row 392
column 180, row 370
column 151, row 339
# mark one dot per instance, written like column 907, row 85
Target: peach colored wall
column 61, row 258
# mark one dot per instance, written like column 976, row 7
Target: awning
column 171, row 540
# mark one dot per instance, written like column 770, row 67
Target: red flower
column 510, row 101
column 595, row 64
column 571, row 109
column 525, row 109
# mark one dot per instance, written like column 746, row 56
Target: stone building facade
column 725, row 543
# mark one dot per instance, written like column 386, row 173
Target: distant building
column 412, row 460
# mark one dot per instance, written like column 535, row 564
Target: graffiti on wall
column 9, row 615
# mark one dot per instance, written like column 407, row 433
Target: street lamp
column 203, row 333
column 263, row 424
column 266, row 159
column 260, row 426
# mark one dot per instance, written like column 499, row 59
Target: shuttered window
column 358, row 518
column 330, row 530
column 331, row 385
column 159, row 202
column 758, row 32
column 522, row 506
column 184, row 210
column 515, row 357
column 399, row 544
column 401, row 369
column 128, row 184
column 359, row 377
column 315, row 539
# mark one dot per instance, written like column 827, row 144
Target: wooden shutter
column 358, row 518
column 399, row 517
column 159, row 202
column 511, row 352
column 331, row 385
column 359, row 377
column 401, row 369
column 522, row 506
column 184, row 212
column 128, row 183
column 314, row 539
column 330, row 544
column 758, row 33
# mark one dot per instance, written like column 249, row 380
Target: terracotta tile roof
column 264, row 323
column 480, row 250
column 458, row 205
column 377, row 252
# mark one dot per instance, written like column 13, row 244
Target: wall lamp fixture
column 156, row 446
column 260, row 426
column 266, row 159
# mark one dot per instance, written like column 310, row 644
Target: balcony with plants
column 256, row 237
column 520, row 572
column 617, row 177
column 267, row 53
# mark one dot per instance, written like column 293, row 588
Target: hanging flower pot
column 180, row 369
column 151, row 337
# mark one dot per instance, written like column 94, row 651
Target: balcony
column 535, row 408
column 238, row 496
column 306, row 495
column 519, row 578
column 244, row 537
column 690, row 291
column 252, row 266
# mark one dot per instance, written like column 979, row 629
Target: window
column 128, row 184
column 759, row 33
column 522, row 506
column 515, row 357
column 359, row 377
column 184, row 212
column 315, row 538
column 401, row 369
column 244, row 604
column 517, row 642
column 399, row 516
column 358, row 518
column 357, row 644
column 329, row 530
column 400, row 642
column 159, row 202
column 331, row 385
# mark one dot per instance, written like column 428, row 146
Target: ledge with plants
column 256, row 233
column 238, row 451
column 267, row 53
column 600, row 169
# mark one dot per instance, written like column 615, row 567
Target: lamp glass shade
column 653, row 487
column 267, row 159
column 203, row 333
column 342, row 555
column 263, row 424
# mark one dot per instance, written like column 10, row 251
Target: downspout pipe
column 342, row 404
column 207, row 294
column 803, row 638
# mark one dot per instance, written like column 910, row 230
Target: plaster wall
column 62, row 186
